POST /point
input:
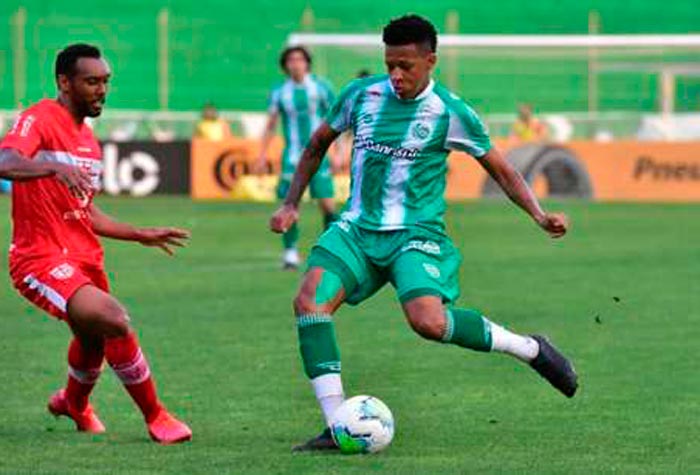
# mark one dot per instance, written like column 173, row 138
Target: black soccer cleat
column 554, row 367
column 324, row 441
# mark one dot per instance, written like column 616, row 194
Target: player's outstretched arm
column 163, row 237
column 310, row 160
column 514, row 185
column 14, row 166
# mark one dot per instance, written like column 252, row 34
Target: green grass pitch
column 619, row 295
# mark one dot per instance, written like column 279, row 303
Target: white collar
column 303, row 82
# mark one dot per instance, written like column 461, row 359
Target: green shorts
column 416, row 261
column 321, row 185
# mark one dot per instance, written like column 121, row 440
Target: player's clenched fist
column 283, row 218
column 556, row 224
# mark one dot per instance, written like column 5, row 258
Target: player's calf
column 468, row 328
column 320, row 295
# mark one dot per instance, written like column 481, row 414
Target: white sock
column 329, row 393
column 291, row 256
column 524, row 348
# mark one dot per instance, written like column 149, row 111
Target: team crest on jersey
column 421, row 131
column 431, row 270
column 62, row 272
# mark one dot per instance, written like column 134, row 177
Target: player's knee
column 320, row 292
column 428, row 322
column 115, row 320
column 304, row 302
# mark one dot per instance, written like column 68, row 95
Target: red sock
column 84, row 367
column 128, row 362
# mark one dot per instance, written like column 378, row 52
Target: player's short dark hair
column 294, row 49
column 408, row 30
column 68, row 57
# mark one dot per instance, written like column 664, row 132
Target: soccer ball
column 362, row 424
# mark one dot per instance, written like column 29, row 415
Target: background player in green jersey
column 392, row 229
column 302, row 101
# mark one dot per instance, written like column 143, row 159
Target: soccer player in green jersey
column 302, row 102
column 392, row 228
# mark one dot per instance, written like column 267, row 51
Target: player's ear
column 432, row 60
column 63, row 82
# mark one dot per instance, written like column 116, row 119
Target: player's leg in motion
column 320, row 295
column 289, row 241
column 468, row 328
column 95, row 315
column 85, row 361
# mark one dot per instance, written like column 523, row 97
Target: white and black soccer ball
column 362, row 424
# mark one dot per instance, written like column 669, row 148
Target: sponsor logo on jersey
column 62, row 272
column 428, row 247
column 431, row 270
column 363, row 142
column 78, row 214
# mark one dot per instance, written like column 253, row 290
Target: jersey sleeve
column 339, row 117
column 466, row 132
column 25, row 135
column 273, row 101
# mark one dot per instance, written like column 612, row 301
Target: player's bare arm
column 165, row 238
column 310, row 160
column 517, row 189
column 268, row 135
column 13, row 166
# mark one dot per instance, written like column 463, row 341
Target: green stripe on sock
column 468, row 329
column 317, row 344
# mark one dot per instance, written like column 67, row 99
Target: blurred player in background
column 302, row 101
column 211, row 126
column 527, row 128
column 56, row 260
column 392, row 228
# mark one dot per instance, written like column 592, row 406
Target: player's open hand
column 165, row 238
column 283, row 218
column 556, row 224
column 75, row 178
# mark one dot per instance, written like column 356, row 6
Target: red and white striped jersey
column 47, row 219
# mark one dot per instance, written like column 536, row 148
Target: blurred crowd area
column 122, row 126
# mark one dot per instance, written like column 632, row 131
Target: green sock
column 291, row 237
column 468, row 329
column 328, row 219
column 319, row 350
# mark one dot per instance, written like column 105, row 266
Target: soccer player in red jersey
column 56, row 260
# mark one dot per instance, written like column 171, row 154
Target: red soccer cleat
column 166, row 429
column 85, row 421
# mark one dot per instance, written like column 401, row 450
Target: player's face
column 409, row 67
column 296, row 65
column 88, row 88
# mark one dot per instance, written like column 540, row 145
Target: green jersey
column 302, row 107
column 399, row 154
